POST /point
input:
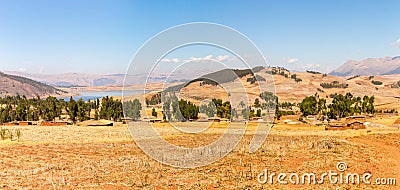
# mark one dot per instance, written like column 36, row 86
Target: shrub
column 396, row 85
column 334, row 84
column 11, row 135
column 353, row 77
column 3, row 134
column 298, row 80
column 287, row 112
column 18, row 133
column 255, row 78
column 375, row 82
column 313, row 72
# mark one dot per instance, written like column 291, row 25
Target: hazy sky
column 47, row 36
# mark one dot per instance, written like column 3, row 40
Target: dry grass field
column 73, row 157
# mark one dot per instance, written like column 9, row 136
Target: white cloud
column 22, row 69
column 397, row 43
column 41, row 69
column 292, row 60
column 222, row 58
column 172, row 60
column 312, row 66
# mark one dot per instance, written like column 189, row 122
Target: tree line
column 179, row 110
column 17, row 108
column 341, row 106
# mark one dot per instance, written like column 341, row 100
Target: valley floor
column 73, row 157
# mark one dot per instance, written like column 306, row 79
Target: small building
column 255, row 118
column 311, row 117
column 357, row 125
column 10, row 124
column 356, row 118
column 152, row 119
column 345, row 126
column 239, row 120
column 155, row 120
column 225, row 120
column 214, row 119
column 336, row 126
column 126, row 120
column 25, row 123
column 53, row 123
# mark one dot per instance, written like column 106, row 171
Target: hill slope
column 370, row 66
column 294, row 86
column 13, row 85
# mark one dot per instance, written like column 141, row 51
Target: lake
column 93, row 95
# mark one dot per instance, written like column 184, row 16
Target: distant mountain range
column 85, row 79
column 16, row 85
column 370, row 66
column 73, row 79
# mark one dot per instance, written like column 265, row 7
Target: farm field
column 73, row 157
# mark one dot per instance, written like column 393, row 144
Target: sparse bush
column 18, row 133
column 290, row 112
column 154, row 112
column 255, row 78
column 375, row 82
column 154, row 99
column 389, row 111
column 298, row 80
column 353, row 77
column 313, row 72
column 3, row 134
column 334, row 84
column 11, row 135
column 396, row 85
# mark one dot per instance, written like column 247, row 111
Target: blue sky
column 96, row 36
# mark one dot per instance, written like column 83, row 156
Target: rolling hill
column 15, row 85
column 294, row 86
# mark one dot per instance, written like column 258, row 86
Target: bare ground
column 107, row 158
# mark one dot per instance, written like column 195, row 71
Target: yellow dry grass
column 74, row 157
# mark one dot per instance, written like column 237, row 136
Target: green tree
column 188, row 110
column 258, row 114
column 154, row 113
column 209, row 109
column 96, row 114
column 257, row 103
column 309, row 106
column 83, row 110
column 72, row 109
column 246, row 113
column 132, row 109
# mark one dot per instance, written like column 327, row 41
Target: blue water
column 93, row 95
